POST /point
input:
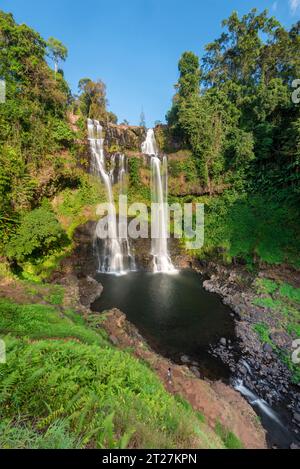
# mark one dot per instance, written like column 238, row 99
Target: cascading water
column 112, row 168
column 159, row 193
column 276, row 424
column 256, row 401
column 149, row 146
column 114, row 252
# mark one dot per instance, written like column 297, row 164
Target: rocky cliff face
column 123, row 137
column 183, row 175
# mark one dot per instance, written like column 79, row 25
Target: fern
column 8, row 384
column 82, row 392
column 50, row 418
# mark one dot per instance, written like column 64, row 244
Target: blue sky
column 134, row 45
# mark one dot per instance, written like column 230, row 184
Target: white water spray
column 159, row 193
column 149, row 146
column 256, row 401
column 115, row 256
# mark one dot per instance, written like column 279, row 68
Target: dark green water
column 173, row 312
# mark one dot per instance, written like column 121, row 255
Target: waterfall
column 122, row 175
column 256, row 401
column 112, row 168
column 159, row 193
column 114, row 252
column 149, row 147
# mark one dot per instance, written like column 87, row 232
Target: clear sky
column 134, row 45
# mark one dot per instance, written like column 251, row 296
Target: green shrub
column 263, row 332
column 267, row 302
column 231, row 441
column 252, row 228
column 73, row 201
column 134, row 175
column 288, row 291
column 185, row 166
column 266, row 286
column 38, row 235
column 56, row 296
column 61, row 133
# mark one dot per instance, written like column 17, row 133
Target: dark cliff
column 123, row 138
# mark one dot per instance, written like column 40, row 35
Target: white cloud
column 274, row 6
column 294, row 6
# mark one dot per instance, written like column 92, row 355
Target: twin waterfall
column 159, row 194
column 114, row 251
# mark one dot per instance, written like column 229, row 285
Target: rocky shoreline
column 256, row 364
column 216, row 400
column 250, row 361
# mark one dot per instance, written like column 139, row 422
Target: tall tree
column 93, row 98
column 236, row 54
column 189, row 75
column 56, row 51
column 187, row 87
column 93, row 102
column 242, row 119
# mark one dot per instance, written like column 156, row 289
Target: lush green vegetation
column 253, row 227
column 234, row 111
column 186, row 166
column 139, row 189
column 41, row 157
column 242, row 120
column 283, row 301
column 229, row 438
column 64, row 386
column 37, row 235
column 237, row 134
column 34, row 134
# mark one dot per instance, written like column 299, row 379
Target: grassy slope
column 65, row 386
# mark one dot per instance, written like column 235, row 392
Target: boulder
column 296, row 416
column 195, row 371
column 114, row 340
column 267, row 348
column 184, row 359
column 89, row 290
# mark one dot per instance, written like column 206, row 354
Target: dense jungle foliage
column 238, row 111
column 41, row 151
column 65, row 385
